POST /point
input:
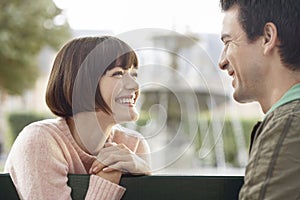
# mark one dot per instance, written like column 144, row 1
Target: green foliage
column 205, row 137
column 17, row 121
column 25, row 28
column 229, row 138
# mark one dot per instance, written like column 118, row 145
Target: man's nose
column 223, row 62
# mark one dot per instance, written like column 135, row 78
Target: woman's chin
column 135, row 117
column 129, row 117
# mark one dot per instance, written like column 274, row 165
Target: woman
column 92, row 88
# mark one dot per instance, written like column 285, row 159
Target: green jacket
column 273, row 171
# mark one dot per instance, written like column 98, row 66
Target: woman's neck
column 90, row 130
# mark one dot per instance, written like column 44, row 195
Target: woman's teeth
column 125, row 101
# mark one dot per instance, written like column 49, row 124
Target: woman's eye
column 135, row 75
column 118, row 74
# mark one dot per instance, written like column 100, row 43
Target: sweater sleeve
column 39, row 169
column 100, row 188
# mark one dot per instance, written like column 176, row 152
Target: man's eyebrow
column 223, row 36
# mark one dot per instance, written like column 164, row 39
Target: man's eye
column 226, row 43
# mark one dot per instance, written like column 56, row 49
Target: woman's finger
column 96, row 167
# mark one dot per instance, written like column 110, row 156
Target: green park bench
column 151, row 187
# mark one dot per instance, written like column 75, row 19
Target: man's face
column 242, row 59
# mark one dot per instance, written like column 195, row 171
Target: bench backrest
column 152, row 187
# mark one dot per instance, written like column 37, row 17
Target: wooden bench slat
column 152, row 187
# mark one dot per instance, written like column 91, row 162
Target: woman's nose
column 130, row 82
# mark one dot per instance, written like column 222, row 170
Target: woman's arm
column 132, row 139
column 37, row 166
column 39, row 169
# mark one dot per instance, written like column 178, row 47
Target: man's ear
column 270, row 37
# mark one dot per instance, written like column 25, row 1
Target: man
column 262, row 55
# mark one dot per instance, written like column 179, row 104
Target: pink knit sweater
column 43, row 155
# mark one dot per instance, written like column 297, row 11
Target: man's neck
column 277, row 86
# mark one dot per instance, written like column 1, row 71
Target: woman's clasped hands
column 114, row 158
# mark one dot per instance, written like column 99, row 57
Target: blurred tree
column 25, row 28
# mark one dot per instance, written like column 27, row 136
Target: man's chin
column 241, row 98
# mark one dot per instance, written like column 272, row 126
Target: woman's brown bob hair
column 73, row 83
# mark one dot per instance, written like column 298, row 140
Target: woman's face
column 120, row 90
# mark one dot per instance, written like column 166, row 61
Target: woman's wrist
column 113, row 176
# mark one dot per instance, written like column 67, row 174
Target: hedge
column 17, row 121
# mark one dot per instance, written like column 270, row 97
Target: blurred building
column 177, row 72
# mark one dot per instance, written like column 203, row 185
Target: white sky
column 202, row 16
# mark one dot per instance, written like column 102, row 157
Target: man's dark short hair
column 285, row 14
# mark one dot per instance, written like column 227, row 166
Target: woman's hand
column 120, row 157
column 112, row 176
column 96, row 167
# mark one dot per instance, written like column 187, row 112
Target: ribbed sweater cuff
column 100, row 188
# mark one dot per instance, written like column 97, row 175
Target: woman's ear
column 270, row 37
